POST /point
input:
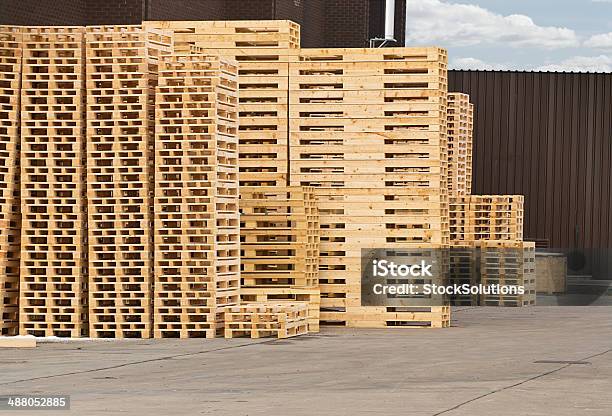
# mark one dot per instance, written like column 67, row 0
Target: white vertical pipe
column 390, row 19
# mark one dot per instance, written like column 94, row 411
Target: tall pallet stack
column 121, row 77
column 368, row 131
column 460, row 131
column 197, row 248
column 10, row 211
column 279, row 232
column 486, row 231
column 53, row 237
column 263, row 50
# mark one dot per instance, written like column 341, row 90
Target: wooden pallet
column 390, row 317
column 279, row 232
column 53, row 241
column 248, row 35
column 460, row 124
column 486, row 217
column 311, row 296
column 121, row 75
column 281, row 320
column 10, row 212
column 197, row 263
column 508, row 263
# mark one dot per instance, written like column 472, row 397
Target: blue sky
column 544, row 35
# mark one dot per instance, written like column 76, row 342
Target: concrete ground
column 551, row 361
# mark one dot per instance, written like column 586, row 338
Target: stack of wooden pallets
column 10, row 212
column 487, row 247
column 263, row 50
column 53, row 236
column 257, row 320
column 486, row 231
column 460, row 125
column 337, row 151
column 368, row 131
column 197, row 258
column 486, row 217
column 508, row 263
column 279, row 232
column 286, row 272
column 121, row 77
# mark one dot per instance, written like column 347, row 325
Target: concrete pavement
column 541, row 361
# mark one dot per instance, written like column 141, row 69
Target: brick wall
column 249, row 10
column 186, row 10
column 116, row 12
column 313, row 33
column 42, row 12
column 347, row 23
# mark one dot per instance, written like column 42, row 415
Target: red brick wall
column 42, row 12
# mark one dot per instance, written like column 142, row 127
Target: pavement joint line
column 112, row 367
column 544, row 374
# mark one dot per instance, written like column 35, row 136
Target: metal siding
column 546, row 136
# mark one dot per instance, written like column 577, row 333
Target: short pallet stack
column 121, row 77
column 508, row 263
column 263, row 50
column 486, row 217
column 53, row 238
column 368, row 131
column 488, row 248
column 279, row 232
column 197, row 248
column 282, row 320
column 10, row 211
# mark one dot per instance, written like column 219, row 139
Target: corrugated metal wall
column 547, row 136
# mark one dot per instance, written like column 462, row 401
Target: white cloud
column 476, row 64
column 601, row 63
column 601, row 41
column 451, row 24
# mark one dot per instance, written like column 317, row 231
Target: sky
column 532, row 35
